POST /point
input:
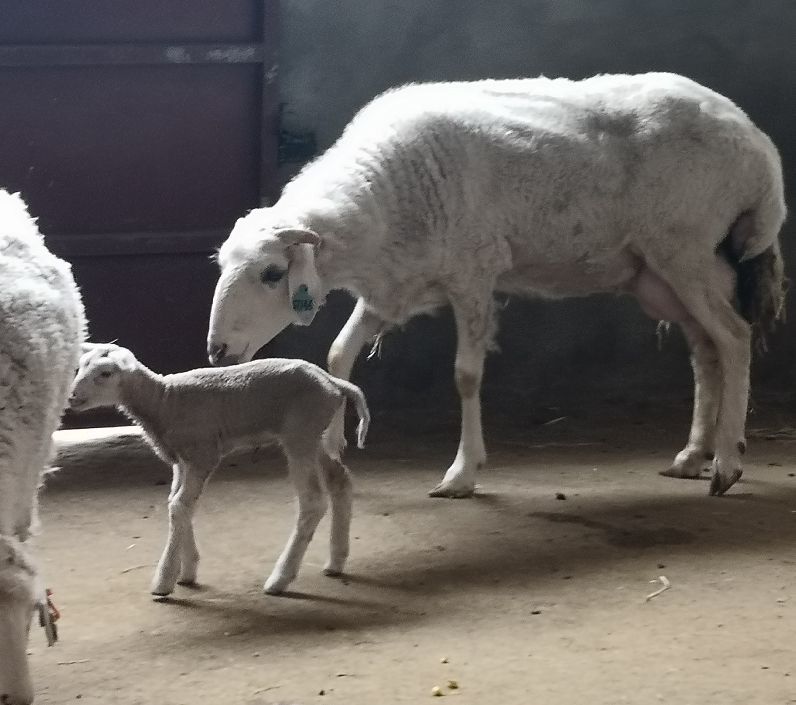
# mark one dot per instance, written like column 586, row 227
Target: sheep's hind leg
column 338, row 483
column 304, row 473
column 705, row 289
column 180, row 556
column 700, row 449
column 475, row 328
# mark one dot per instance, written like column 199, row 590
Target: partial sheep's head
column 96, row 383
column 268, row 281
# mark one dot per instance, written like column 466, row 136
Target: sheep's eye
column 271, row 276
column 106, row 374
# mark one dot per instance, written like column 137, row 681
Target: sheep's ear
column 304, row 285
column 88, row 347
column 297, row 236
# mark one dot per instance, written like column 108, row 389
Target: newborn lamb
column 193, row 419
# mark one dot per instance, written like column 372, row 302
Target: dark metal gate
column 138, row 131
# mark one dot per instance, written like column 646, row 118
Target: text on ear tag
column 302, row 301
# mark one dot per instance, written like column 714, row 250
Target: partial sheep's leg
column 475, row 328
column 733, row 337
column 180, row 557
column 361, row 326
column 701, row 447
column 705, row 290
column 305, row 475
column 17, row 597
column 338, row 483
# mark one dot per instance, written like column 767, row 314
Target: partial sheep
column 194, row 419
column 41, row 328
column 443, row 194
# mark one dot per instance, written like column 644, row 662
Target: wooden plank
column 125, row 244
column 269, row 130
column 130, row 54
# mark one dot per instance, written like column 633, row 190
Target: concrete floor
column 516, row 595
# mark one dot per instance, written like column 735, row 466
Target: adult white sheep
column 194, row 419
column 41, row 328
column 439, row 194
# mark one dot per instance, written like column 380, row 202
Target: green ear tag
column 302, row 301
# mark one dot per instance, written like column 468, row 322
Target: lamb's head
column 99, row 375
column 268, row 281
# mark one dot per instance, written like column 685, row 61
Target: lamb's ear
column 297, row 236
column 123, row 358
column 304, row 285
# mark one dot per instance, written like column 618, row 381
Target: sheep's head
column 98, row 376
column 268, row 281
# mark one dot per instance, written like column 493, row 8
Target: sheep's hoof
column 187, row 582
column 453, row 491
column 157, row 593
column 719, row 484
column 682, row 473
column 689, row 465
column 333, row 572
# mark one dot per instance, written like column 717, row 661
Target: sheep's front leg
column 181, row 556
column 361, row 326
column 338, row 483
column 475, row 327
column 311, row 508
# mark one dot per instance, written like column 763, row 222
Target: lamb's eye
column 271, row 276
column 106, row 374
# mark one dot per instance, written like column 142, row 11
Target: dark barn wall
column 337, row 54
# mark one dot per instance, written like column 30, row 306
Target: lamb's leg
column 700, row 449
column 305, row 475
column 475, row 328
column 338, row 483
column 180, row 557
column 361, row 326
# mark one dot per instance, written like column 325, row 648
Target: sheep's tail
column 755, row 253
column 355, row 395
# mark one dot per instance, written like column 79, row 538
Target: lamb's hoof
column 187, row 582
column 162, row 588
column 719, row 484
column 275, row 586
column 453, row 491
column 333, row 572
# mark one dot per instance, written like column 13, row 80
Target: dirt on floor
column 532, row 592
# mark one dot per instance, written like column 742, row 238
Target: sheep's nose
column 217, row 353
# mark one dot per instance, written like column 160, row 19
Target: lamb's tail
column 354, row 394
column 755, row 253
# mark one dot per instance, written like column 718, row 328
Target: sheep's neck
column 345, row 239
column 143, row 393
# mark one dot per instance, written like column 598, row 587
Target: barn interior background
column 140, row 131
